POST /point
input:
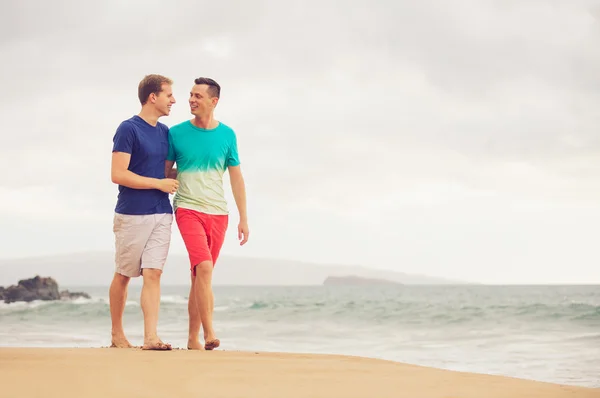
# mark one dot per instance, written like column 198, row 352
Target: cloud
column 420, row 135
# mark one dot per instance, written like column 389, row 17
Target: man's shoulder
column 136, row 124
column 130, row 122
column 226, row 130
column 127, row 126
column 225, row 127
column 163, row 128
column 176, row 128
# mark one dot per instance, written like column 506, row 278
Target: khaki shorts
column 141, row 241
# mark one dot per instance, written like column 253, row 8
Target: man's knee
column 121, row 280
column 151, row 275
column 204, row 270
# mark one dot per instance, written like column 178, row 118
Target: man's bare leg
column 212, row 305
column 150, row 301
column 205, row 300
column 195, row 321
column 117, row 298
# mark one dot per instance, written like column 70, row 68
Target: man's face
column 164, row 100
column 201, row 103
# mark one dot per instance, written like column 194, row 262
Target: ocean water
column 545, row 333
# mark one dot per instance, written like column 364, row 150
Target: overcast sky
column 457, row 139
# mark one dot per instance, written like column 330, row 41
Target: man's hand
column 243, row 232
column 168, row 185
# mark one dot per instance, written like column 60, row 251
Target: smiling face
column 201, row 102
column 164, row 100
column 155, row 93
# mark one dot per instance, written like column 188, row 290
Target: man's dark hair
column 151, row 84
column 214, row 90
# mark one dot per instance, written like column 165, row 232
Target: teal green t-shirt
column 202, row 157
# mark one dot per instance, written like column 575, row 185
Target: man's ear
column 152, row 98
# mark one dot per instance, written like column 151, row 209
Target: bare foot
column 120, row 342
column 156, row 345
column 194, row 345
column 212, row 344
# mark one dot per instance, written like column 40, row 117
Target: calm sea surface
column 546, row 333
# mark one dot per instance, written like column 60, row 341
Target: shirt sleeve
column 124, row 138
column 171, row 154
column 233, row 158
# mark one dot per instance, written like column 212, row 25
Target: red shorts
column 203, row 235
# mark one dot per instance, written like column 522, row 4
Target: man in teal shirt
column 204, row 148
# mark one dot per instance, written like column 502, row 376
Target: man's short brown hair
column 214, row 90
column 151, row 84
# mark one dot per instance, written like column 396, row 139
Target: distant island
column 37, row 288
column 233, row 271
column 357, row 281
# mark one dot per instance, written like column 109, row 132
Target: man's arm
column 239, row 193
column 170, row 172
column 121, row 175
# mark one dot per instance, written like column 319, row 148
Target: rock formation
column 37, row 288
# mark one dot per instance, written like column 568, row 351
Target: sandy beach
column 109, row 372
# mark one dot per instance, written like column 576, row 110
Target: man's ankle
column 117, row 333
column 151, row 337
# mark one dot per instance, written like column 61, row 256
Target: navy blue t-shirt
column 148, row 146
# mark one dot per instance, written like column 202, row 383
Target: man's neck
column 149, row 116
column 205, row 122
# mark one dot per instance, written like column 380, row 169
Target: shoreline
column 102, row 371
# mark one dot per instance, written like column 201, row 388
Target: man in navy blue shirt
column 143, row 214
